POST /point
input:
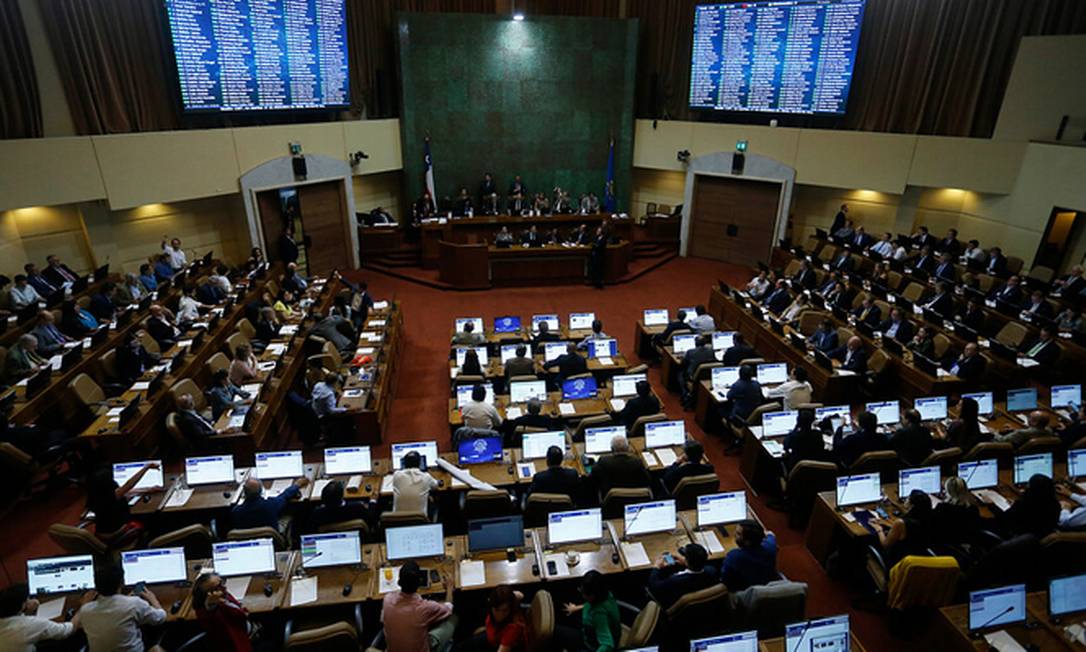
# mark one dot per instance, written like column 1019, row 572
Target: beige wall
column 56, row 118
column 41, row 231
column 384, row 190
column 815, row 207
column 656, row 186
column 1047, row 82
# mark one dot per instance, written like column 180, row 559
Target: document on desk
column 179, row 497
column 773, row 447
column 1026, row 363
column 303, row 590
column 617, row 404
column 513, row 412
column 666, row 456
column 354, row 483
column 635, row 555
column 472, row 573
column 386, row 484
column 319, row 485
column 710, row 541
column 51, row 610
column 364, row 350
column 559, row 560
column 606, row 361
column 376, row 323
column 457, row 483
column 288, row 329
column 566, row 409
column 237, row 586
column 56, row 361
column 1003, row 642
column 353, row 393
column 113, row 412
column 266, row 366
column 454, row 372
column 844, row 372
column 140, row 386
column 380, row 305
column 279, row 486
column 388, row 579
column 756, row 431
column 649, row 458
column 994, row 498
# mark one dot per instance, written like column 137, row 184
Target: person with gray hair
column 621, row 468
column 23, row 359
column 131, row 291
column 50, row 339
column 256, row 510
column 194, row 426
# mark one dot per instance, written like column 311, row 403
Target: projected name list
column 252, row 55
column 779, row 57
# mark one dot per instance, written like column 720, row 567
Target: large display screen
column 793, row 56
column 260, row 55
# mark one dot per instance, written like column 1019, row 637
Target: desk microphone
column 1009, row 609
column 840, row 497
column 626, row 530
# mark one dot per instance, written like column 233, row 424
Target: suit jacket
column 997, row 265
column 947, row 272
column 50, row 339
column 905, row 330
column 1070, row 288
column 1008, row 294
column 870, row 316
column 260, row 511
column 532, row 239
column 1043, row 309
column 569, row 364
column 925, row 239
column 912, row 443
column 668, row 585
column 328, row 328
column 623, row 470
column 777, row 300
column 209, row 293
column 1048, row 354
column 266, row 331
column 848, row 449
column 636, row 408
column 676, row 472
column 843, row 299
column 695, row 357
column 843, row 262
column 128, row 295
column 745, row 396
column 806, row 278
column 972, row 318
column 549, row 336
column 194, row 427
column 42, row 285
column 160, row 330
column 942, row 304
column 56, row 278
column 823, row 341
column 672, row 326
column 288, row 250
column 734, row 355
column 131, row 364
column 856, row 363
column 558, row 480
column 519, row 367
column 1019, row 437
column 950, row 245
column 861, row 240
column 925, row 262
column 968, row 369
column 102, row 307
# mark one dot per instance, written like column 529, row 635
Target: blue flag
column 609, row 203
column 428, row 172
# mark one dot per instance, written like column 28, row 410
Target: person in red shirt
column 411, row 623
column 506, row 630
column 221, row 615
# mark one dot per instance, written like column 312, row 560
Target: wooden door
column 325, row 225
column 732, row 219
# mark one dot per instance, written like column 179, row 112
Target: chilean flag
column 610, row 205
column 428, row 172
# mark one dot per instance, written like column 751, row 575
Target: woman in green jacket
column 600, row 629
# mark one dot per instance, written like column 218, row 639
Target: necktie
column 1036, row 349
column 954, row 370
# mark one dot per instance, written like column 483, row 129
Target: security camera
column 683, row 156
column 357, row 157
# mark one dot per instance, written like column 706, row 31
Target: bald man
column 1038, row 427
column 257, row 511
column 852, row 355
column 969, row 366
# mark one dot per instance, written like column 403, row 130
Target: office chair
column 196, row 539
column 538, row 506
column 688, row 489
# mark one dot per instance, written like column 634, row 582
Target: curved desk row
column 481, row 266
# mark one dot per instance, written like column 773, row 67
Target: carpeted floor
column 419, row 410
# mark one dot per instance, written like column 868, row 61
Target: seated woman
column 1036, row 512
column 957, row 517
column 283, row 303
column 113, row 522
column 471, row 366
column 243, row 367
column 221, row 615
column 506, row 629
column 964, row 432
column 922, row 343
column 76, row 322
column 223, row 395
column 908, row 535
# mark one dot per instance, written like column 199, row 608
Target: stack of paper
column 617, row 404
column 51, row 610
column 386, row 484
column 179, row 497
column 606, row 361
column 303, row 590
column 710, row 541
column 388, row 579
column 472, row 573
column 635, row 555
column 513, row 412
column 666, row 455
column 650, row 459
column 566, row 409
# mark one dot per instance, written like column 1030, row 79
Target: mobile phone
column 881, row 512
column 552, row 568
column 668, row 558
column 139, row 588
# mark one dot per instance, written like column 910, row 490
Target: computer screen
column 154, row 566
column 931, row 408
column 552, row 322
column 509, row 351
column 691, row 314
column 857, row 489
column 581, row 321
column 477, row 321
column 463, row 394
column 842, row 412
column 462, row 352
column 481, row 450
column 1076, row 463
column 331, row 549
column 1066, row 396
column 928, row 479
column 347, row 460
column 553, row 350
column 773, row 373
column 723, row 340
column 210, row 469
column 578, row 388
column 1022, row 400
column 427, row 449
column 655, row 317
column 123, row 472
column 728, row 507
column 495, row 533
column 1067, row 595
column 992, row 607
column 534, row 445
column 415, row 541
column 683, row 343
column 1027, row 466
column 626, row 384
column 252, row 557
column 598, row 440
column 985, row 402
column 724, row 377
column 60, row 574
column 523, row 391
column 665, row 433
column 272, row 465
column 738, row 642
column 820, row 635
column 646, row 518
column 887, row 412
column 777, row 424
column 507, row 324
column 602, row 348
column 980, row 474
column 577, row 525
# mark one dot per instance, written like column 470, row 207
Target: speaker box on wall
column 300, row 168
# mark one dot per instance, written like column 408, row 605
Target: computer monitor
column 427, row 449
column 691, row 314
column 462, row 352
column 887, row 412
column 928, row 479
column 626, row 384
column 553, row 350
column 1022, row 400
column 534, row 445
column 606, row 348
column 523, row 391
column 1076, row 463
column 507, row 324
column 1027, row 466
column 724, row 377
column 665, row 433
column 728, row 507
column 154, row 566
column 1005, row 605
column 481, row 450
column 123, row 471
column 683, row 343
column 646, row 518
column 772, row 373
column 737, row 642
column 509, row 351
column 979, row 474
column 273, row 465
column 415, row 541
column 858, row 489
column 477, row 321
column 1068, row 396
column 1066, row 595
column 655, row 317
column 578, row 388
column 581, row 321
column 331, row 549
column 778, row 424
column 820, row 635
column 60, row 574
column 931, row 408
column 250, row 557
column 723, row 340
column 463, row 394
column 598, row 440
column 347, row 460
column 497, row 533
column 985, row 402
column 573, row 526
column 209, row 469
column 551, row 319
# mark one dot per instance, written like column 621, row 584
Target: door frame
column 778, row 233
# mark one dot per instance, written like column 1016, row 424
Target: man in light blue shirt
column 884, row 247
column 23, row 293
column 1072, row 519
column 703, row 322
column 326, row 396
column 596, row 334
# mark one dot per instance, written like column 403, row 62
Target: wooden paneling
column 748, row 207
column 324, row 223
column 271, row 221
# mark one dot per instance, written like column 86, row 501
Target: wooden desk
column 600, row 555
column 498, row 569
column 554, row 264
column 643, row 340
column 655, row 544
column 464, row 266
column 331, row 581
column 582, row 408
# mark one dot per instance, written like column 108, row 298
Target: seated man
column 925, row 261
column 688, row 574
column 745, row 394
column 255, row 510
column 521, row 365
column 1043, row 348
column 112, row 620
column 44, row 287
column 945, row 270
column 703, row 322
column 843, row 262
column 950, row 243
column 688, row 465
column 556, row 479
column 20, row 626
column 852, row 356
column 23, row 294
column 1038, row 306
column 411, row 485
column 824, row 338
column 1038, row 427
column 754, row 562
column 533, row 418
column 163, row 270
column 544, row 335
column 568, row 364
column 738, row 351
column 50, row 339
column 147, row 277
column 193, row 425
column 477, row 413
column 884, row 247
column 970, row 365
column 412, row 623
column 868, row 312
column 325, row 398
column 1010, row 293
column 805, row 276
column 922, row 238
column 941, row 302
column 131, row 359
column 336, row 330
column 532, row 237
column 380, row 217
column 23, row 359
column 643, row 404
column 702, row 353
column 103, row 304
column 161, row 327
column 677, row 324
column 778, row 298
column 293, row 280
column 468, row 336
column 596, row 334
column 847, row 448
column 620, row 468
column 131, row 291
column 335, row 509
column 897, row 327
column 57, row 273
column 912, row 441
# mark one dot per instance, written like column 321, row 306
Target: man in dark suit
column 701, row 353
column 852, row 355
column 829, row 282
column 925, row 261
column 839, row 219
column 255, row 510
column 544, row 335
column 941, row 301
column 805, row 277
column 1009, row 293
column 860, row 240
column 677, row 324
column 57, row 273
column 688, row 574
column 912, row 440
column 620, row 468
column 738, row 351
column 950, row 243
column 1037, row 306
column 1069, row 285
column 824, row 338
column 335, row 509
column 745, row 394
column 779, row 299
column 868, row 313
column 556, row 479
column 972, row 315
column 643, row 405
column 294, row 281
column 517, row 187
column 843, row 262
column 532, row 238
column 209, row 294
column 969, row 366
column 487, row 187
column 192, row 424
column 690, row 464
column 521, row 365
column 997, row 262
column 161, row 327
column 922, row 238
column 1043, row 348
column 131, row 359
column 841, row 296
column 288, row 248
column 897, row 327
column 44, row 287
column 532, row 418
column 945, row 270
column 380, row 217
column 568, row 364
column 867, row 438
column 102, row 304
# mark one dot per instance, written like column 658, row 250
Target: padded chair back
column 236, row 340
column 884, row 308
column 598, row 421
column 614, row 503
column 755, row 418
column 353, row 525
column 196, row 539
column 752, row 361
column 639, row 369
column 1042, row 274
column 799, row 395
column 244, row 534
column 885, row 463
column 1014, row 264
column 941, row 343
column 329, row 638
column 918, row 581
column 108, row 364
column 480, row 503
column 1014, row 561
column 1012, row 334
column 174, row 430
column 877, row 361
column 638, row 427
column 688, row 489
column 999, row 450
column 1064, row 553
column 541, row 620
column 216, row 362
column 246, row 328
column 188, row 386
column 87, row 392
column 402, row 519
column 77, row 541
column 945, row 458
column 149, row 343
column 704, row 370
column 469, row 379
column 537, row 506
column 701, row 613
column 640, row 632
column 913, row 292
column 806, row 479
column 809, row 321
column 1041, row 445
column 791, row 268
column 769, row 608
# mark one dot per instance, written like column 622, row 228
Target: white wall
column 1047, row 82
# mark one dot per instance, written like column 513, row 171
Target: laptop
column 581, row 321
column 154, row 566
column 626, row 384
column 507, row 324
column 65, row 574
column 480, row 451
column 722, row 508
column 1066, row 595
column 426, row 449
column 499, row 533
column 238, row 558
column 579, row 388
column 819, row 635
column 574, row 526
column 655, row 317
column 414, row 541
column 331, row 549
column 347, row 460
